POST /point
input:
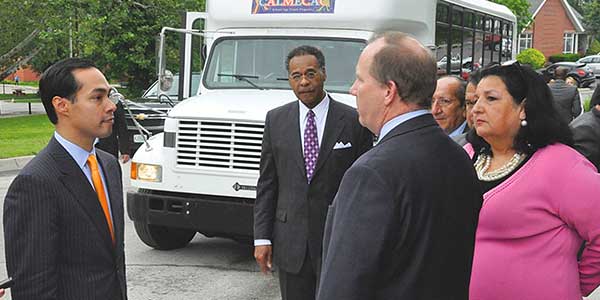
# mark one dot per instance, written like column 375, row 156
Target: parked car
column 580, row 72
column 593, row 61
column 456, row 65
column 150, row 112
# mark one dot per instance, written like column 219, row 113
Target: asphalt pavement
column 207, row 269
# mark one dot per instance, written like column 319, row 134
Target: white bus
column 200, row 174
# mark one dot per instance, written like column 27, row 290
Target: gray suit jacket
column 586, row 135
column 288, row 210
column 402, row 225
column 58, row 245
column 566, row 100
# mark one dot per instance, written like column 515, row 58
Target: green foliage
column 594, row 48
column 586, row 104
column 521, row 10
column 119, row 36
column 564, row 57
column 591, row 17
column 532, row 57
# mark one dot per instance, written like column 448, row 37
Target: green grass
column 26, row 83
column 25, row 98
column 20, row 136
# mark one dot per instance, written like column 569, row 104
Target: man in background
column 448, row 105
column 307, row 146
column 566, row 96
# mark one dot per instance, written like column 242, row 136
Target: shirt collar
column 391, row 124
column 79, row 154
column 320, row 110
column 459, row 130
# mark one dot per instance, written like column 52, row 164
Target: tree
column 119, row 36
column 591, row 18
column 521, row 10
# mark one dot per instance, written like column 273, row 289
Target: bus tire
column 162, row 237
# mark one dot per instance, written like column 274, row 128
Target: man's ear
column 390, row 92
column 61, row 106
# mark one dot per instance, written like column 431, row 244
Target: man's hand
column 264, row 257
column 124, row 158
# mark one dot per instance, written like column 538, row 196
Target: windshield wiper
column 243, row 78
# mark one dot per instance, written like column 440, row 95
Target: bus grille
column 219, row 144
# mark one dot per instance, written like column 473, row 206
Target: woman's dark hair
column 544, row 126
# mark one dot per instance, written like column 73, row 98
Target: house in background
column 556, row 28
column 25, row 74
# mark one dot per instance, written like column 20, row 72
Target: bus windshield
column 259, row 63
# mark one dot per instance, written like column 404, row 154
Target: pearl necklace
column 483, row 162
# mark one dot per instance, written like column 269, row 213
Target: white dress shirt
column 320, row 111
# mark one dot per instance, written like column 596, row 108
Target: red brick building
column 25, row 74
column 556, row 28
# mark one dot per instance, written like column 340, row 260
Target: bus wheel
column 162, row 237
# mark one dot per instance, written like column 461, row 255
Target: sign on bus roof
column 293, row 6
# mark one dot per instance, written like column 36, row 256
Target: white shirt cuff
column 262, row 242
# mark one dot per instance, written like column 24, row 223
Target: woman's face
column 496, row 117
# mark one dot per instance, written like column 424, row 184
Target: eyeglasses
column 511, row 65
column 310, row 75
column 443, row 102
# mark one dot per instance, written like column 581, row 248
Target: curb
column 14, row 163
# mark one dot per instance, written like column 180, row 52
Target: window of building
column 525, row 41
column 569, row 42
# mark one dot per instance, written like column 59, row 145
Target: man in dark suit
column 566, row 96
column 307, row 147
column 63, row 213
column 118, row 141
column 402, row 225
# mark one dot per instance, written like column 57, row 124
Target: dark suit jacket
column 586, row 135
column 57, row 241
column 288, row 210
column 402, row 225
column 566, row 100
column 118, row 140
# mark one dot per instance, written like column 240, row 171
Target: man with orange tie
column 63, row 213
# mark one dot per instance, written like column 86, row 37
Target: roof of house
column 574, row 16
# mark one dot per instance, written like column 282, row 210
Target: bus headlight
column 146, row 172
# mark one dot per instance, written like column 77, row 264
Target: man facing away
column 402, row 225
column 448, row 105
column 586, row 131
column 566, row 96
column 63, row 213
column 307, row 146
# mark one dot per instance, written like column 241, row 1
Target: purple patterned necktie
column 311, row 145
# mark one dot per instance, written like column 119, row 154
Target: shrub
column 532, row 57
column 594, row 48
column 564, row 57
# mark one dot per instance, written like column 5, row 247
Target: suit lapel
column 80, row 188
column 293, row 126
column 115, row 194
column 333, row 128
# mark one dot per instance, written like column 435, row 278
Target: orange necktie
column 97, row 180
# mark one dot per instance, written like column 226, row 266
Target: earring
column 523, row 123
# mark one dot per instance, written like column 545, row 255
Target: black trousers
column 303, row 285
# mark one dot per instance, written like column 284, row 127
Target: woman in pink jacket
column 542, row 198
